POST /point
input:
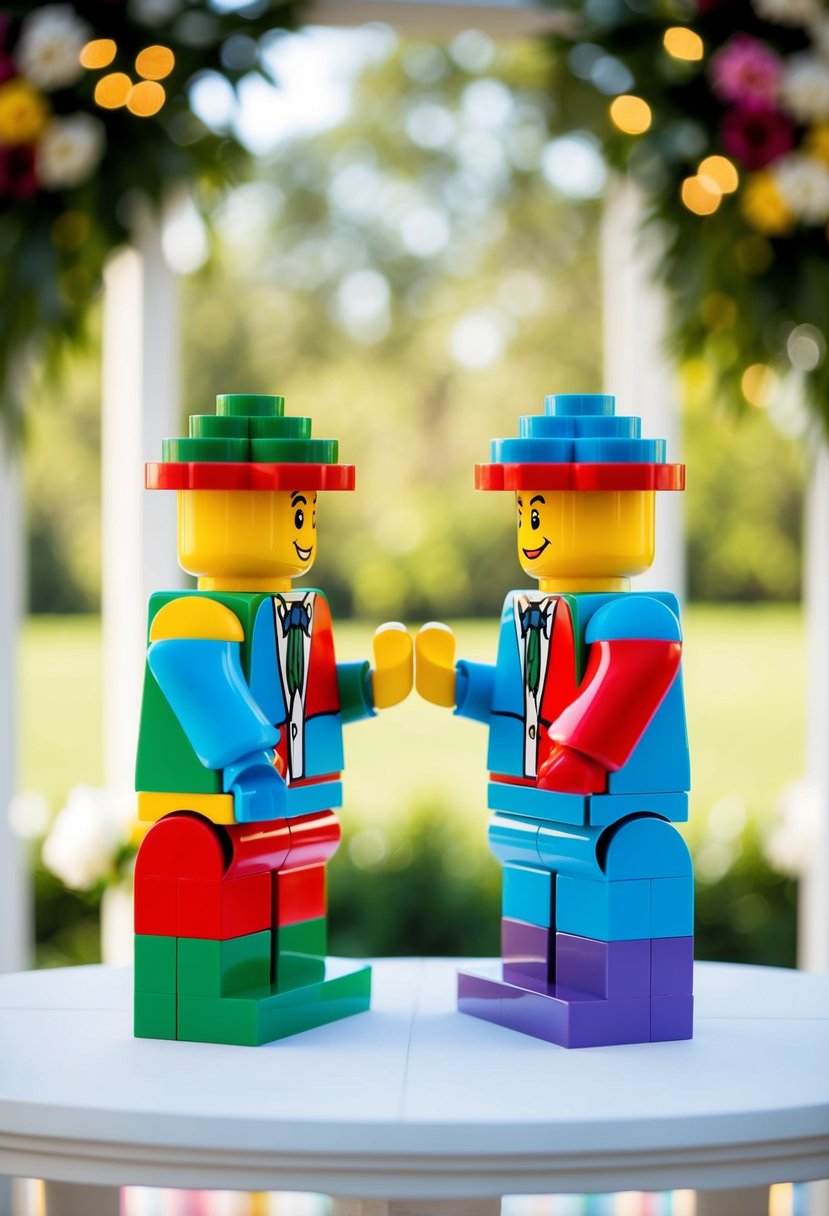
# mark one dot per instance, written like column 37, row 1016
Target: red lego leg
column 183, row 845
column 224, row 908
column 299, row 895
column 258, row 847
column 155, row 905
column 314, row 839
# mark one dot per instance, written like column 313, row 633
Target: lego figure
column 588, row 752
column 240, row 746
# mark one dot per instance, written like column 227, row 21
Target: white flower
column 49, row 51
column 86, row 835
column 69, row 150
column 804, row 88
column 803, row 184
column 787, row 12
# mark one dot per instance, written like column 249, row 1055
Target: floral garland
column 95, row 109
column 719, row 109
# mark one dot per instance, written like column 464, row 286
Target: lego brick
column 616, row 970
column 218, row 808
column 570, row 850
column 155, row 905
column 258, row 848
column 552, row 476
column 528, row 895
column 154, row 1015
column 534, row 803
column 672, row 966
column 566, row 1018
column 209, row 967
column 606, row 809
column 266, row 1015
column 284, row 427
column 672, row 1017
column 609, row 911
column 314, row 839
column 672, row 907
column 203, row 475
column 300, row 953
column 527, row 951
column 645, row 847
column 513, row 839
column 182, row 846
column 196, row 616
column 155, row 963
column 250, row 405
column 299, row 895
column 632, row 617
column 225, row 908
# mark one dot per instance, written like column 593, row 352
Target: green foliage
column 739, row 284
column 55, row 237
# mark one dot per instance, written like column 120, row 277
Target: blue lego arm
column 632, row 617
column 474, row 685
column 203, row 681
column 354, row 687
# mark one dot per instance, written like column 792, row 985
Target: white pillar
column 140, row 407
column 813, row 911
column 15, row 891
column 636, row 366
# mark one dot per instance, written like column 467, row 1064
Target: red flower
column 18, row 179
column 756, row 134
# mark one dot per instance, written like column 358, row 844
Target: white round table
column 413, row 1100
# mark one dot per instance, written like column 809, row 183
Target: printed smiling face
column 578, row 534
column 247, row 536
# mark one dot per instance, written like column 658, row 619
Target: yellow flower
column 764, row 207
column 23, row 112
column 817, row 142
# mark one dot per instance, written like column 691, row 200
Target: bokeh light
column 630, row 114
column 721, row 171
column 757, row 383
column 112, row 90
column 701, row 195
column 99, row 53
column 155, row 62
column 682, row 43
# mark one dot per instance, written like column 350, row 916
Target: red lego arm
column 625, row 682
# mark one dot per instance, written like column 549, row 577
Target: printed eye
column 299, row 517
column 535, row 520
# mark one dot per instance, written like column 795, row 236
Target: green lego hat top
column 249, row 444
column 579, row 443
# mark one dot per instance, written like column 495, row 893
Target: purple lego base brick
column 611, row 970
column 672, row 1017
column 559, row 1015
column 672, row 966
column 526, row 952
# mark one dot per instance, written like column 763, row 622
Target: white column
column 636, row 367
column 15, row 890
column 813, row 911
column 140, row 407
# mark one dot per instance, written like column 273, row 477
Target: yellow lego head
column 567, row 535
column 244, row 539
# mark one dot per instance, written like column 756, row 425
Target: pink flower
column 756, row 134
column 745, row 70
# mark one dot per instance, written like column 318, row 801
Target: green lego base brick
column 155, row 963
column 301, row 949
column 154, row 1015
column 289, row 427
column 264, row 1015
column 224, row 968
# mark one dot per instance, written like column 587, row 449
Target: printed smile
column 532, row 554
column 304, row 554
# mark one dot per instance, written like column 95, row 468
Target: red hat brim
column 226, row 475
column 551, row 476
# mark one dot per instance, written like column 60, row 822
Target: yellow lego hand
column 435, row 669
column 392, row 676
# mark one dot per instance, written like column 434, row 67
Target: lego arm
column 635, row 650
column 466, row 686
column 363, row 689
column 201, row 676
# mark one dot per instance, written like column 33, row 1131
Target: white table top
column 413, row 1099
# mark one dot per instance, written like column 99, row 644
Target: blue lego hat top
column 579, row 443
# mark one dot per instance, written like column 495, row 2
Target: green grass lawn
column 745, row 683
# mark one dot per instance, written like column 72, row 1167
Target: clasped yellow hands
column 435, row 669
column 392, row 674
